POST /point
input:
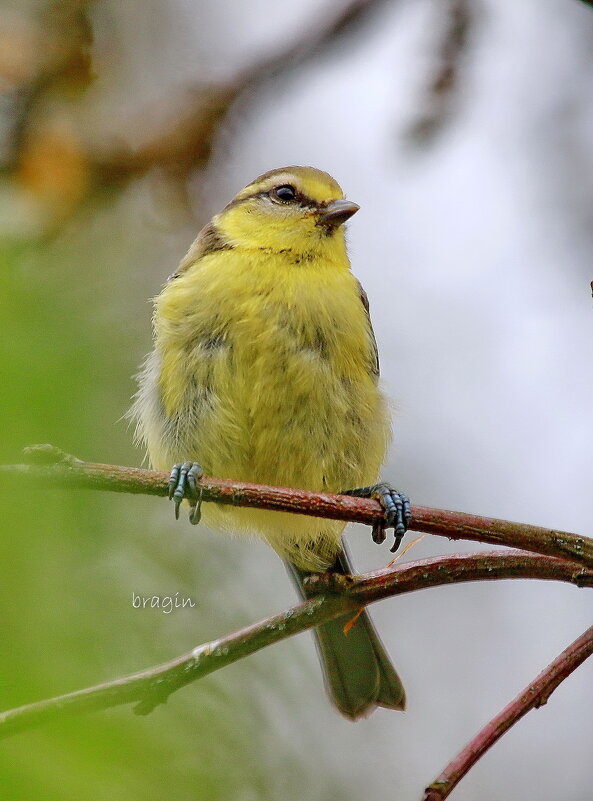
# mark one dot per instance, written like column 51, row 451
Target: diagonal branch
column 186, row 143
column 153, row 686
column 55, row 468
column 534, row 696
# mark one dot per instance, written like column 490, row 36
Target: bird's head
column 297, row 210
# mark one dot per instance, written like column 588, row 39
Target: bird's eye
column 285, row 193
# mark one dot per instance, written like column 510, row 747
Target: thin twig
column 67, row 471
column 534, row 696
column 151, row 687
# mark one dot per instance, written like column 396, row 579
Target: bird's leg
column 397, row 510
column 185, row 477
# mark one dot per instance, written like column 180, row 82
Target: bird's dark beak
column 337, row 212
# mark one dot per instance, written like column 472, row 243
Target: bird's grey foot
column 397, row 511
column 185, row 477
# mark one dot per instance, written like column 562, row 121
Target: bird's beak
column 337, row 212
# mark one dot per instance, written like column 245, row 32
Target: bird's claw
column 379, row 533
column 397, row 508
column 397, row 513
column 185, row 477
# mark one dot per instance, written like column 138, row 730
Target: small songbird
column 265, row 369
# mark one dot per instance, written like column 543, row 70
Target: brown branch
column 153, row 686
column 66, row 471
column 534, row 696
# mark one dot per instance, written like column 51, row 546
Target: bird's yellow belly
column 291, row 422
column 283, row 395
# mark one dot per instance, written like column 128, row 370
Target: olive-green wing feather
column 209, row 240
column 365, row 302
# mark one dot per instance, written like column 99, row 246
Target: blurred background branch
column 47, row 153
column 46, row 66
column 441, row 95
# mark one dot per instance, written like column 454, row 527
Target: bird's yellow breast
column 265, row 373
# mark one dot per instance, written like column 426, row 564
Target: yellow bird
column 265, row 369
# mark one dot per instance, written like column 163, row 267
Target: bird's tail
column 357, row 671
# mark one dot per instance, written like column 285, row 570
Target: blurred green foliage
column 71, row 560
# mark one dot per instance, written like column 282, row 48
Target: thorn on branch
column 48, row 454
column 157, row 695
column 329, row 582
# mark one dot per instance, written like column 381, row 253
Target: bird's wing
column 207, row 241
column 375, row 353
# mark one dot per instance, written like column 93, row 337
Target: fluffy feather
column 264, row 367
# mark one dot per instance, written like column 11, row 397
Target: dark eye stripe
column 301, row 199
